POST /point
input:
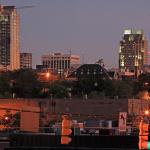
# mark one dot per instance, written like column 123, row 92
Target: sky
column 89, row 28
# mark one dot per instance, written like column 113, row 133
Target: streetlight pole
column 53, row 103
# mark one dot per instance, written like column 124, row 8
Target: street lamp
column 53, row 103
column 47, row 75
column 146, row 112
column 146, row 83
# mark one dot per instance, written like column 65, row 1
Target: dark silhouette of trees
column 142, row 83
column 9, row 120
column 4, row 86
column 24, row 83
column 21, row 83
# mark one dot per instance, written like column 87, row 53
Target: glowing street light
column 146, row 112
column 47, row 74
column 6, row 118
column 146, row 83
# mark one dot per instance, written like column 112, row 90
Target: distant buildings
column 60, row 62
column 133, row 51
column 26, row 60
column 9, row 38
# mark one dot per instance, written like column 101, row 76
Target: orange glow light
column 146, row 112
column 47, row 74
column 6, row 118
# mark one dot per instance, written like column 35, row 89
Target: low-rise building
column 26, row 60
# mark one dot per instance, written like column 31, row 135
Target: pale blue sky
column 91, row 28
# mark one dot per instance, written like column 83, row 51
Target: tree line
column 24, row 83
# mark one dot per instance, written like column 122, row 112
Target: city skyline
column 91, row 29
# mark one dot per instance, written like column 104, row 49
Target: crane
column 24, row 7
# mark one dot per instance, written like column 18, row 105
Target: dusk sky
column 90, row 28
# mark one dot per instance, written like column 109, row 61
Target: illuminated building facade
column 9, row 38
column 60, row 62
column 133, row 51
column 26, row 60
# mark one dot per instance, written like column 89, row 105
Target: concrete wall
column 80, row 109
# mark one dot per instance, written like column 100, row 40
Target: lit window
column 128, row 31
column 139, row 57
column 122, row 63
column 120, row 49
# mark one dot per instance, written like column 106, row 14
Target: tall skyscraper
column 9, row 38
column 26, row 60
column 133, row 51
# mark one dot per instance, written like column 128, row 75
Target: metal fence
column 75, row 131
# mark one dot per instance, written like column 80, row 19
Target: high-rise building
column 9, row 38
column 60, row 62
column 26, row 60
column 133, row 51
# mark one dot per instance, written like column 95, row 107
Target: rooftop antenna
column 100, row 62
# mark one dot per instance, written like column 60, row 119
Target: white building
column 60, row 62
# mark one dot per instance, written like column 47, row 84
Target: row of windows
column 4, row 18
column 130, row 64
column 56, row 62
column 92, row 70
column 56, row 58
column 84, row 72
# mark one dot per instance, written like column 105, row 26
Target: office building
column 60, row 62
column 133, row 51
column 9, row 38
column 26, row 60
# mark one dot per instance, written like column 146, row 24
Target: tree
column 57, row 90
column 142, row 84
column 4, row 86
column 10, row 120
column 26, row 83
column 109, row 88
column 123, row 89
column 84, row 86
